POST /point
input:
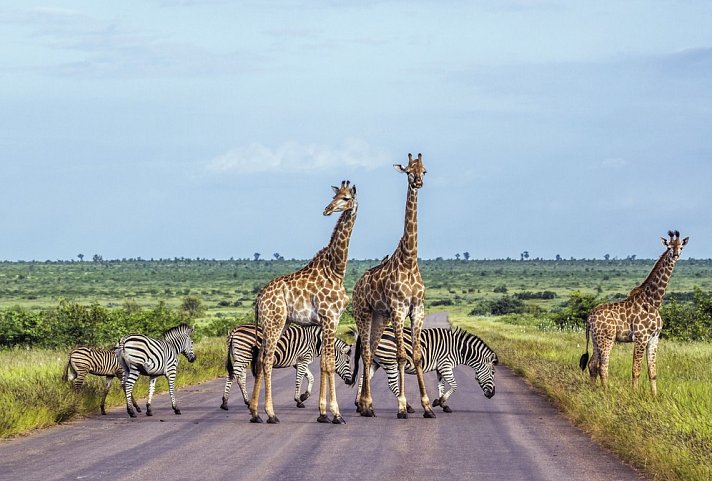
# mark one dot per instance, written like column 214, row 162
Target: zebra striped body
column 298, row 347
column 96, row 361
column 139, row 354
column 443, row 349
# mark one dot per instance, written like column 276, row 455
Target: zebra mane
column 468, row 336
column 179, row 329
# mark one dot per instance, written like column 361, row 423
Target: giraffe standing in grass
column 390, row 292
column 635, row 319
column 314, row 295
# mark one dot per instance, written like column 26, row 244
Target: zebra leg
column 441, row 389
column 303, row 371
column 151, row 388
column 129, row 381
column 103, row 395
column 449, row 376
column 416, row 319
column 651, row 351
column 241, row 375
column 171, row 376
column 226, row 393
column 133, row 399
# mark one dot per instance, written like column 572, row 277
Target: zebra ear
column 496, row 360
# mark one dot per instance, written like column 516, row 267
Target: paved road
column 515, row 436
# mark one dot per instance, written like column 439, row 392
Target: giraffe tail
column 357, row 355
column 583, row 362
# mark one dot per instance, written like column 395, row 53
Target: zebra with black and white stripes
column 97, row 361
column 443, row 349
column 139, row 354
column 298, row 347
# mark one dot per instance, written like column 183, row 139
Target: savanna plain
column 531, row 312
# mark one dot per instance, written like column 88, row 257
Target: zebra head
column 343, row 360
column 179, row 337
column 481, row 359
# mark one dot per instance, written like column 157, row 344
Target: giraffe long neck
column 408, row 247
column 338, row 248
column 654, row 286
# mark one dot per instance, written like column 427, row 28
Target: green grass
column 34, row 396
column 668, row 437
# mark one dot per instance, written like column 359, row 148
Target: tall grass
column 669, row 437
column 33, row 395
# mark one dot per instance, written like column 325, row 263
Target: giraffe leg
column 594, row 364
column 651, row 351
column 604, row 354
column 417, row 316
column 267, row 365
column 638, row 351
column 371, row 336
column 328, row 373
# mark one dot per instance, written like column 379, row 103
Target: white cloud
column 613, row 163
column 295, row 157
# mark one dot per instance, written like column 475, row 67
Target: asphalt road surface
column 515, row 436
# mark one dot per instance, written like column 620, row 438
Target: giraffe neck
column 338, row 248
column 408, row 247
column 653, row 287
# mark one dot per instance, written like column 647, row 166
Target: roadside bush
column 575, row 310
column 688, row 321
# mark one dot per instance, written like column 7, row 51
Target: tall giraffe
column 313, row 295
column 390, row 292
column 634, row 319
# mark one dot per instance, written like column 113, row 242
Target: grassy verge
column 33, row 395
column 669, row 437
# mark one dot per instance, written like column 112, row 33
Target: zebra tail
column 65, row 376
column 228, row 361
column 357, row 355
column 583, row 362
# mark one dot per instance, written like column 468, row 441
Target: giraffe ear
column 353, row 189
column 664, row 241
column 684, row 241
column 400, row 168
column 335, row 189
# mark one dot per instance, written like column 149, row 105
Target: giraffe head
column 674, row 244
column 415, row 170
column 344, row 198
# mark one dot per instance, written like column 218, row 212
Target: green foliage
column 73, row 324
column 535, row 295
column 499, row 307
column 691, row 321
column 193, row 306
column 575, row 310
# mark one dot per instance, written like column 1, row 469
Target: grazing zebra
column 443, row 349
column 139, row 354
column 298, row 347
column 97, row 361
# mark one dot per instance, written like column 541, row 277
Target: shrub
column 688, row 321
column 575, row 311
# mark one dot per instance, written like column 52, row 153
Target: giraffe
column 635, row 319
column 390, row 292
column 313, row 295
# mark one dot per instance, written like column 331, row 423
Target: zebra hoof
column 338, row 420
column 436, row 402
column 447, row 409
column 224, row 404
column 323, row 419
column 429, row 414
column 176, row 410
column 132, row 414
column 300, row 404
column 256, row 419
column 149, row 412
column 304, row 396
column 272, row 420
column 409, row 408
column 103, row 411
column 138, row 409
column 403, row 415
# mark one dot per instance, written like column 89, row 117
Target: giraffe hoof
column 256, row 420
column 410, row 409
column 368, row 413
column 447, row 409
column 429, row 414
column 304, row 396
column 338, row 420
column 300, row 404
column 403, row 415
column 272, row 420
column 436, row 402
column 323, row 418
column 358, row 408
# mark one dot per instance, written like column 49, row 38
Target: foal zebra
column 443, row 349
column 298, row 347
column 139, row 354
column 97, row 361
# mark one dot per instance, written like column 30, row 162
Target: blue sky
column 215, row 129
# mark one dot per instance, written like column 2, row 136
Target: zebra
column 443, row 349
column 139, row 354
column 94, row 360
column 298, row 347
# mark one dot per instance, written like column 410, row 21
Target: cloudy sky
column 215, row 129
